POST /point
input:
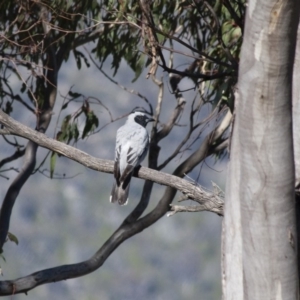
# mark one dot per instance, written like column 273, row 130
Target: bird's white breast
column 132, row 136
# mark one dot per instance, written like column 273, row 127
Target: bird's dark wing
column 117, row 165
column 131, row 160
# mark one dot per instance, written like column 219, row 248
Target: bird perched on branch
column 131, row 148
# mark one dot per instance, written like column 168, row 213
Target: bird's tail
column 119, row 194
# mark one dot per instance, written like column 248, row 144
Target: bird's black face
column 143, row 120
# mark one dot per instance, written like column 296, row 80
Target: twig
column 18, row 153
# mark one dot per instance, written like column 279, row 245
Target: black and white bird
column 131, row 148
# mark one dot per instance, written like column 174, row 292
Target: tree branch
column 195, row 50
column 216, row 207
column 44, row 113
column 102, row 165
column 18, row 153
column 127, row 229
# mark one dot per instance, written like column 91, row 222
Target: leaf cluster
column 69, row 131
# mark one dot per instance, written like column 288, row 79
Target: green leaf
column 79, row 55
column 75, row 131
column 12, row 238
column 78, row 59
column 91, row 123
column 65, row 123
column 52, row 163
column 23, row 88
column 65, row 105
column 139, row 67
column 8, row 108
column 74, row 95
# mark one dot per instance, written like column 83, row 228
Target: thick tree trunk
column 296, row 109
column 260, row 259
column 296, row 135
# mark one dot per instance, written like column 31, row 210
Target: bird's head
column 140, row 118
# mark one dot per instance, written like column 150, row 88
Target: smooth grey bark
column 296, row 135
column 260, row 260
column 296, row 109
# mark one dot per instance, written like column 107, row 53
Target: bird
column 132, row 143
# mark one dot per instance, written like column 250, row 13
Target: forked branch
column 127, row 229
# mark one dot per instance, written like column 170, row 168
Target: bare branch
column 170, row 124
column 215, row 207
column 147, row 28
column 5, row 131
column 18, row 153
column 221, row 146
column 160, row 85
column 198, row 75
column 201, row 54
column 93, row 163
column 223, row 125
column 214, row 202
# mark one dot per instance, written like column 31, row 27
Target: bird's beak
column 150, row 120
